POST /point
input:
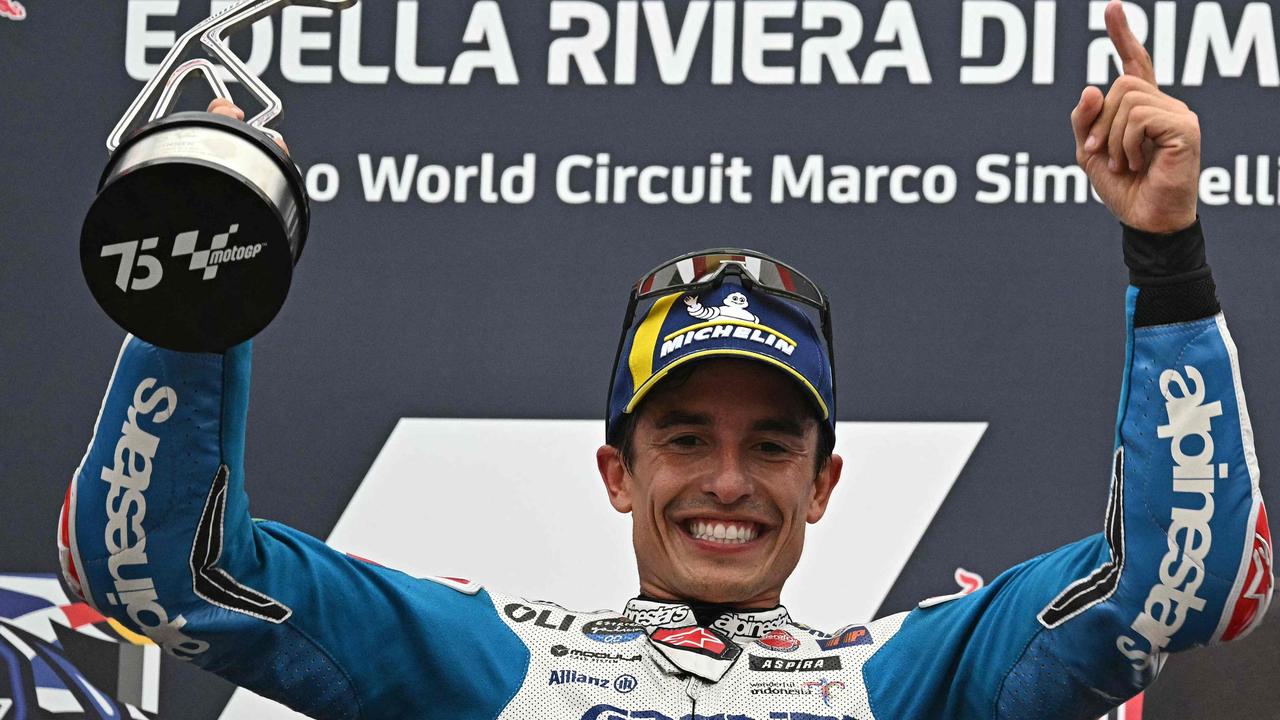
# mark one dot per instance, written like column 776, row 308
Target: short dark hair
column 624, row 430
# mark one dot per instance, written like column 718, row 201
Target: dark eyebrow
column 786, row 426
column 679, row 417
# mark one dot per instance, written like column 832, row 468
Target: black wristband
column 1165, row 258
column 1173, row 280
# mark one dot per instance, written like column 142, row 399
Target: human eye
column 686, row 440
column 778, row 448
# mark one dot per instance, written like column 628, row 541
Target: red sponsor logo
column 968, row 581
column 694, row 637
column 1256, row 591
column 12, row 9
column 779, row 640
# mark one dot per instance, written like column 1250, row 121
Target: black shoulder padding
column 1173, row 280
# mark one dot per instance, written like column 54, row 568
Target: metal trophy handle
column 199, row 219
column 163, row 89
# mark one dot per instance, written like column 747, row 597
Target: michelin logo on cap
column 735, row 306
column 733, row 310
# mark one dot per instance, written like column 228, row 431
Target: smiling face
column 723, row 478
column 736, row 300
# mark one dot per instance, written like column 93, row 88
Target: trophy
column 199, row 219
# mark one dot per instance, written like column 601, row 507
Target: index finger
column 1133, row 56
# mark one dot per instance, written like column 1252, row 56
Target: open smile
column 722, row 533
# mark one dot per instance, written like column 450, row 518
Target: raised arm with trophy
column 200, row 218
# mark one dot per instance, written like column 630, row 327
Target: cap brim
column 657, row 377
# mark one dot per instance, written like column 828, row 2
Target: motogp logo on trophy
column 218, row 253
column 204, row 261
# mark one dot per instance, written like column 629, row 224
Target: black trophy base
column 191, row 241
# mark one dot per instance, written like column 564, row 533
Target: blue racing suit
column 156, row 532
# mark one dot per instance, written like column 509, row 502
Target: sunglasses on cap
column 705, row 269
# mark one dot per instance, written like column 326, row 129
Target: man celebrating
column 720, row 485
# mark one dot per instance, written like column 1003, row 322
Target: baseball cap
column 720, row 318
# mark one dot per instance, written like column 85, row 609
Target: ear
column 823, row 484
column 617, row 480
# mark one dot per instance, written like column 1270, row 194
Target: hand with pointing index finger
column 1139, row 146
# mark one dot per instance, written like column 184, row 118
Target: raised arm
column 156, row 532
column 1184, row 558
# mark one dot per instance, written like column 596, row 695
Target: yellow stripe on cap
column 649, row 384
column 730, row 321
column 644, row 345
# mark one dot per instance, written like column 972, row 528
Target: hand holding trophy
column 199, row 219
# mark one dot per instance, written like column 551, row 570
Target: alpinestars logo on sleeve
column 1193, row 476
column 129, row 477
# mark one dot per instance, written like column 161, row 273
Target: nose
column 729, row 482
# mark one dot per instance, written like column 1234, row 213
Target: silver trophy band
column 162, row 90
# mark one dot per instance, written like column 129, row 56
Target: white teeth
column 732, row 533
